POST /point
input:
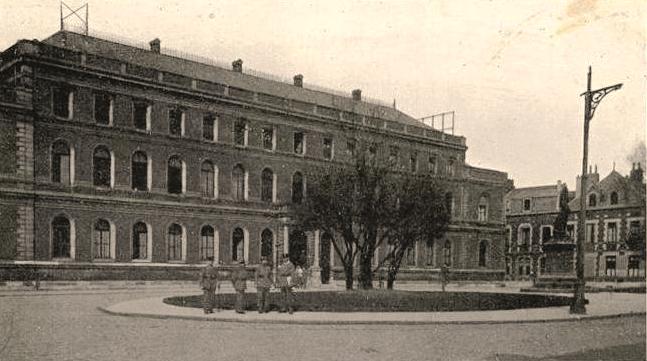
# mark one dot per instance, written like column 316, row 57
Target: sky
column 512, row 71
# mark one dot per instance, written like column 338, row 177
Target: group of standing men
column 285, row 281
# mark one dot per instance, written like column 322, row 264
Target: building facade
column 614, row 226
column 124, row 162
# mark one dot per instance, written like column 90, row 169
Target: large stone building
column 615, row 226
column 124, row 162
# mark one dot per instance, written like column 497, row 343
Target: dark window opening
column 433, row 164
column 268, row 138
column 238, row 245
column 267, row 185
column 483, row 254
column 327, row 148
column 174, row 175
column 614, row 198
column 351, row 147
column 61, row 99
column 526, row 204
column 140, row 171
column 102, row 109
column 240, row 133
column 102, row 239
column 140, row 115
column 297, row 188
column 102, row 167
column 266, row 244
column 238, row 180
column 140, row 241
column 61, row 244
column 207, row 178
column 61, row 163
column 298, row 142
column 208, row 126
column 175, row 242
column 592, row 200
column 413, row 163
column 207, row 246
column 175, row 122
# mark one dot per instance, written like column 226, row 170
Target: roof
column 534, row 192
column 198, row 70
column 634, row 191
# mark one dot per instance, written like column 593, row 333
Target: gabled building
column 118, row 161
column 615, row 226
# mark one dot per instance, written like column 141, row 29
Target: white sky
column 512, row 70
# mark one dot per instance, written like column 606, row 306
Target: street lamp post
column 591, row 101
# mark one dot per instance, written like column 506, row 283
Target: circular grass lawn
column 389, row 301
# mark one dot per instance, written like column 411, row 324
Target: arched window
column 140, row 241
column 267, row 185
column 207, row 235
column 207, row 179
column 238, row 183
column 482, row 253
column 175, row 239
column 174, row 175
column 297, row 187
column 102, row 171
column 447, row 253
column 266, row 243
column 61, row 163
column 61, row 235
column 450, row 167
column 593, row 199
column 483, row 209
column 614, row 198
column 102, row 239
column 238, row 245
column 139, row 168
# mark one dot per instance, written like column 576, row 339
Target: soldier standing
column 263, row 284
column 209, row 284
column 239, row 281
column 285, row 282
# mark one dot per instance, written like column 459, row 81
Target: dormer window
column 526, row 204
column 614, row 198
column 593, row 200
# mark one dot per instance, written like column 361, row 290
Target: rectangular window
column 634, row 230
column 610, row 265
column 546, row 233
column 525, row 236
column 103, row 109
column 62, row 102
column 328, row 148
column 526, row 204
column 633, row 266
column 372, row 150
column 175, row 122
column 430, row 253
column 413, row 162
column 299, row 143
column 240, row 132
column 208, row 128
column 268, row 138
column 351, row 147
column 590, row 232
column 612, row 232
column 450, row 167
column 141, row 116
column 433, row 164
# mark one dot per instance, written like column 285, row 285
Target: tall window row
column 63, row 239
column 103, row 167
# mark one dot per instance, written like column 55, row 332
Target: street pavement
column 68, row 326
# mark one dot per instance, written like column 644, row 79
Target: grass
column 390, row 301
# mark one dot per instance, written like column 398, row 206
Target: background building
column 123, row 162
column 615, row 226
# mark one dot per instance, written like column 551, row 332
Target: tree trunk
column 348, row 272
column 365, row 272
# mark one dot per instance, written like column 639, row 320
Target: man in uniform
column 284, row 280
column 209, row 284
column 239, row 281
column 263, row 284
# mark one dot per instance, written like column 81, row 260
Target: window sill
column 176, row 262
column 63, row 259
column 103, row 260
column 141, row 261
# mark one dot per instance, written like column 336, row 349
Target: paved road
column 69, row 327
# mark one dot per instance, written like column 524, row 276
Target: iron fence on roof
column 212, row 62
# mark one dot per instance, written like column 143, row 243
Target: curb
column 371, row 322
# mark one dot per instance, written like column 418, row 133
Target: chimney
column 298, row 80
column 636, row 173
column 155, row 45
column 237, row 66
column 357, row 94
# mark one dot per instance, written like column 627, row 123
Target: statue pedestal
column 560, row 271
column 314, row 277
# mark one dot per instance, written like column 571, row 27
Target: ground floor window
column 175, row 242
column 102, row 239
column 207, row 235
column 610, row 265
column 140, row 241
column 237, row 245
column 61, row 237
column 633, row 266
